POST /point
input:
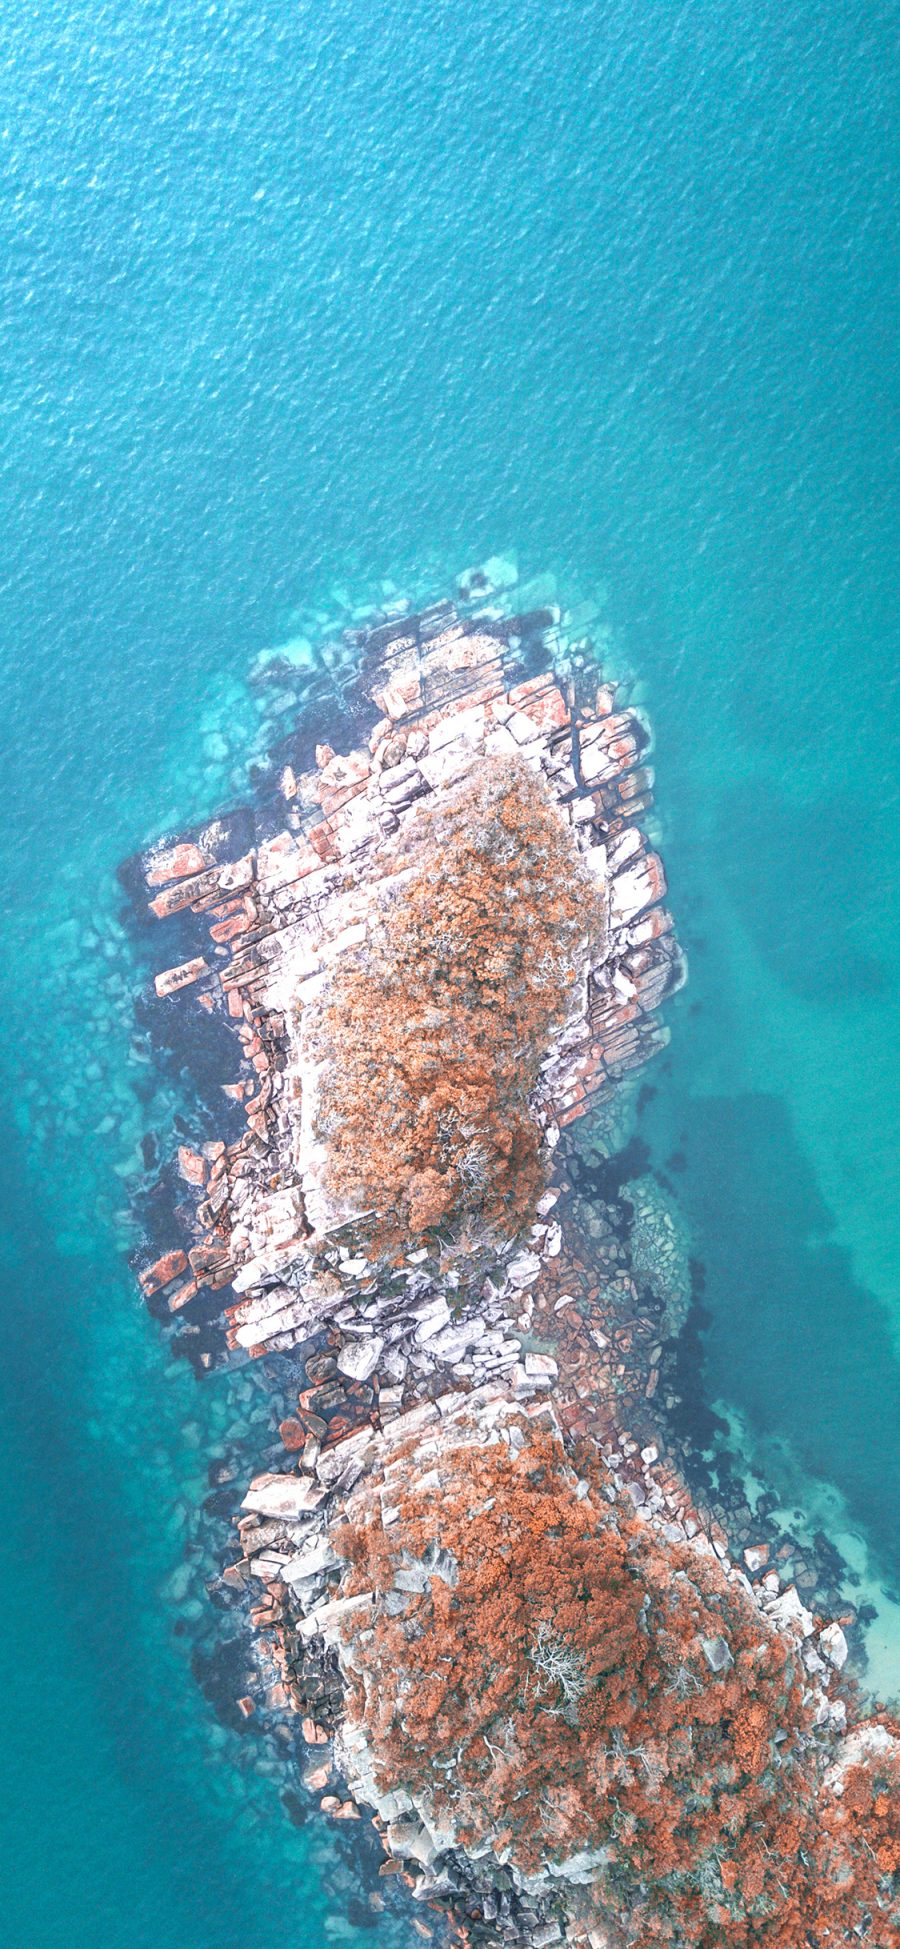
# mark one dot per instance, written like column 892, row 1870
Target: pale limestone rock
column 833, row 1645
column 541, row 1367
column 328, row 1616
column 789, row 1613
column 755, row 1556
column 431, row 1318
column 283, row 1495
column 358, row 1359
column 523, row 1270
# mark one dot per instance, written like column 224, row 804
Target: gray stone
column 412, row 1578
column 717, row 1653
column 310, row 1563
column 327, row 1615
column 411, row 1841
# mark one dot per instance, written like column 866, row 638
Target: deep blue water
column 297, row 295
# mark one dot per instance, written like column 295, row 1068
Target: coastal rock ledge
column 572, row 1712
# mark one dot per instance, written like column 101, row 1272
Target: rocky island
column 576, row 1708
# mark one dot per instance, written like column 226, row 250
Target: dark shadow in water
column 156, row 1878
column 804, row 879
column 795, row 1341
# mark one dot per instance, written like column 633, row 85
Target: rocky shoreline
column 437, row 1315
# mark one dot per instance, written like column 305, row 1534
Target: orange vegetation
column 558, row 1696
column 435, row 1030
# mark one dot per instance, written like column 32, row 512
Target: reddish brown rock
column 401, row 694
column 293, row 1433
column 322, row 839
column 548, row 712
column 313, row 1734
column 176, row 864
column 173, row 979
column 184, row 1293
column 542, row 702
column 341, row 778
column 195, row 892
column 173, row 901
column 191, row 1165
column 228, row 930
column 314, row 1424
column 161, row 1274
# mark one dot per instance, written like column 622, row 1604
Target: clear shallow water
column 304, row 295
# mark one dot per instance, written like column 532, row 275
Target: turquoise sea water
column 298, row 296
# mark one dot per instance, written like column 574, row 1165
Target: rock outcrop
column 305, row 932
column 485, row 1592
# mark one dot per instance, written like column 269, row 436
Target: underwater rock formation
column 486, row 1594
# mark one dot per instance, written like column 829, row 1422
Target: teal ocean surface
column 301, row 297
